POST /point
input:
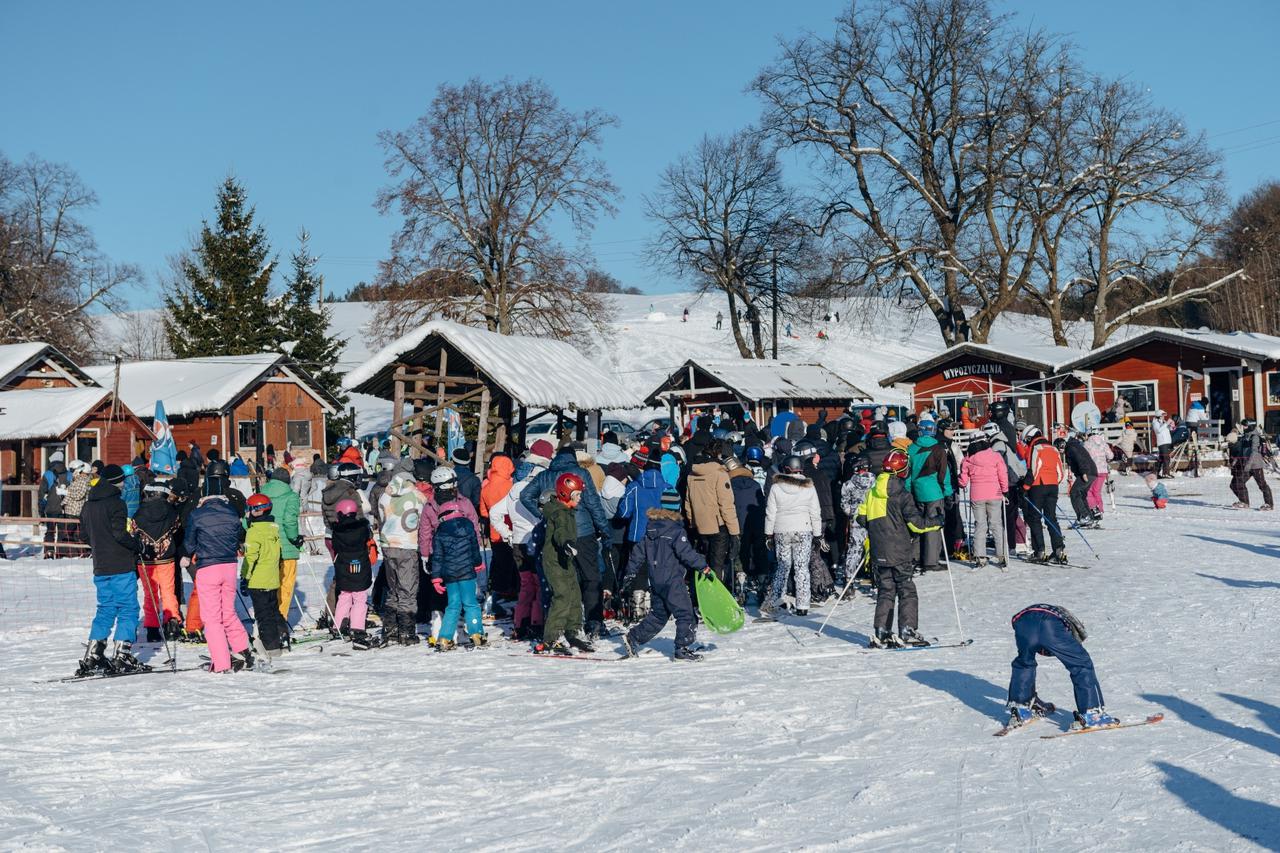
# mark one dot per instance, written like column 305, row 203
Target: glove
column 244, row 586
column 438, row 585
column 185, row 562
column 824, row 546
column 296, row 541
column 768, row 541
column 568, row 551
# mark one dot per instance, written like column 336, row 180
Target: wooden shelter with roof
column 756, row 386
column 39, row 365
column 508, row 379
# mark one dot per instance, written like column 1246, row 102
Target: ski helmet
column 444, row 477
column 991, row 429
column 792, row 465
column 332, row 473
column 927, row 427
column 1030, row 432
column 999, row 409
column 568, row 486
column 897, row 463
column 346, row 508
column 755, row 454
column 127, row 469
column 344, row 443
column 259, row 505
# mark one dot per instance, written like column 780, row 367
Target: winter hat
column 113, row 474
column 640, row 458
column 670, row 499
column 897, row 429
column 1150, row 479
column 422, row 468
column 617, row 471
column 782, row 448
column 610, row 437
column 76, row 465
column 879, row 428
column 462, row 456
column 541, row 452
column 280, row 474
column 158, row 487
column 56, row 456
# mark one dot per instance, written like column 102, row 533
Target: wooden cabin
column 39, row 365
column 214, row 401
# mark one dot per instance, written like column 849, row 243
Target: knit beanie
column 113, row 474
column 897, row 429
column 541, row 452
column 670, row 499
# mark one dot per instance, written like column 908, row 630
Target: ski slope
column 779, row 740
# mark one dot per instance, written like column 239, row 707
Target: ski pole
column 151, row 596
column 1082, row 536
column 866, row 556
column 954, row 602
column 311, row 571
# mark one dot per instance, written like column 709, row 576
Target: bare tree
column 481, row 179
column 918, row 109
column 724, row 216
column 51, row 270
column 1250, row 239
column 142, row 337
column 1137, row 202
column 599, row 281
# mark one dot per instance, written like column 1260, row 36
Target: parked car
column 652, row 428
column 624, row 430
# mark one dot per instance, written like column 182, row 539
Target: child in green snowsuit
column 564, row 617
column 260, row 573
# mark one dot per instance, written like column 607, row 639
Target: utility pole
column 775, row 304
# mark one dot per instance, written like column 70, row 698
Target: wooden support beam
column 397, row 411
column 425, row 375
column 482, row 433
column 521, row 427
column 444, row 371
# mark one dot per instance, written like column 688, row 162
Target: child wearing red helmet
column 564, row 618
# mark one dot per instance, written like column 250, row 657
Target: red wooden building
column 214, row 401
column 976, row 374
column 38, row 365
column 1236, row 374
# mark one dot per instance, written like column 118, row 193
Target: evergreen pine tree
column 303, row 321
column 221, row 306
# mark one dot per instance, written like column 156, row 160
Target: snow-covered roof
column 1046, row 357
column 765, row 379
column 16, row 359
column 1253, row 345
column 34, row 413
column 190, row 386
column 535, row 372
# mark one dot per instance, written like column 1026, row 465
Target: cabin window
column 1273, row 388
column 87, row 445
column 247, row 434
column 1141, row 396
column 298, row 433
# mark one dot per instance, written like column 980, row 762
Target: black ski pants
column 715, row 547
column 1240, row 484
column 587, row 564
column 668, row 600
column 1043, row 508
column 266, row 612
column 1011, row 508
column 1080, row 497
column 894, row 585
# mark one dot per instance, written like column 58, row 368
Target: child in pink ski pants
column 217, row 584
column 353, row 606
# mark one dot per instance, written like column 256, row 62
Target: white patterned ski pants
column 793, row 551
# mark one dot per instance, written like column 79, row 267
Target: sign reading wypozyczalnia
column 990, row 368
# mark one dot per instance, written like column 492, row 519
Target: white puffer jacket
column 793, row 506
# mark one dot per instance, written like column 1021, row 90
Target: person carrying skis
column 1051, row 630
column 1248, row 447
column 156, row 525
column 792, row 529
column 667, row 555
column 104, row 527
column 260, row 574
column 890, row 516
column 559, row 561
column 1040, row 492
column 354, row 556
column 214, row 535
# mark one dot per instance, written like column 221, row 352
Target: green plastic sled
column 720, row 610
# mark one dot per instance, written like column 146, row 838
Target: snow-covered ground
column 779, row 740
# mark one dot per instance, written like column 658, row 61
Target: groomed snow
column 779, row 740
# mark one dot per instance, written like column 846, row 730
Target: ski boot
column 479, row 640
column 408, row 630
column 1020, row 715
column 1002, row 563
column 1239, row 505
column 1096, row 718
column 192, row 636
column 242, row 661
column 980, row 563
column 740, row 583
column 801, row 611
column 325, row 621
column 1265, row 508
column 912, row 637
column 94, row 661
column 629, row 649
column 125, row 662
column 1059, row 557
column 172, row 628
column 361, row 640
column 686, row 654
column 1038, row 557
column 556, row 648
column 1042, row 708
column 445, row 645
column 391, row 628
column 579, row 642
column 883, row 639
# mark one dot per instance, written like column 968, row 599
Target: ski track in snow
column 779, row 740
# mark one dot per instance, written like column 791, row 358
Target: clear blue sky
column 153, row 103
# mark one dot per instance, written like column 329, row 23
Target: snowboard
column 720, row 611
column 1154, row 718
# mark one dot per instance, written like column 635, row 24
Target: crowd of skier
column 566, row 542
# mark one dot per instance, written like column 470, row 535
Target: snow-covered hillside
column 779, row 740
column 647, row 340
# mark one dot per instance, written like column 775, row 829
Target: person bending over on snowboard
column 1051, row 630
column 890, row 515
column 666, row 553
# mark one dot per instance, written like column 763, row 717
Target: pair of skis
column 1126, row 724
